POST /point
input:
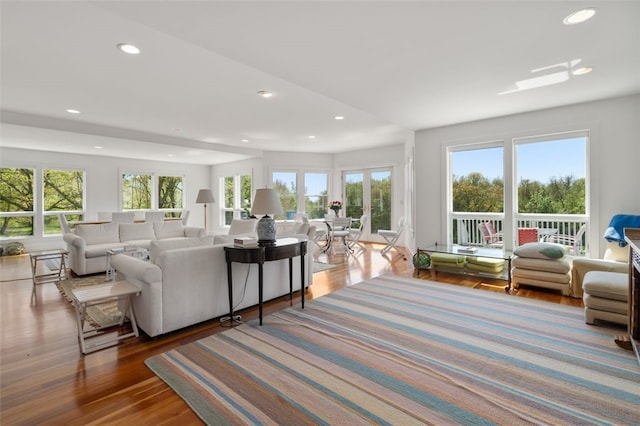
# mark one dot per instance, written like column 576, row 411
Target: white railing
column 465, row 227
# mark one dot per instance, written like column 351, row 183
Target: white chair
column 184, row 216
column 339, row 232
column 123, row 217
column 573, row 241
column 154, row 216
column 391, row 236
column 355, row 234
column 64, row 224
column 104, row 216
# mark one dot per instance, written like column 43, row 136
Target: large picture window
column 63, row 192
column 302, row 191
column 16, row 202
column 146, row 191
column 316, row 194
column 286, row 183
column 171, row 195
column 136, row 191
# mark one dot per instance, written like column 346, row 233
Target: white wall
column 102, row 182
column 614, row 160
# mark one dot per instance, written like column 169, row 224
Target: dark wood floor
column 45, row 380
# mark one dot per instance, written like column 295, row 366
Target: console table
column 632, row 237
column 284, row 248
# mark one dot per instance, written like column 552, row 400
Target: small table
column 284, row 248
column 97, row 295
column 493, row 253
column 53, row 275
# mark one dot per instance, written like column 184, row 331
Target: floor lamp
column 204, row 197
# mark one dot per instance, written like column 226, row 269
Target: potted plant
column 336, row 206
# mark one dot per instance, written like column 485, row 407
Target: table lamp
column 205, row 196
column 267, row 201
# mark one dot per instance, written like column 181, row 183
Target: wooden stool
column 98, row 295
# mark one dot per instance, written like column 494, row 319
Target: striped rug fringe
column 396, row 350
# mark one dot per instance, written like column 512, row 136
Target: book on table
column 467, row 249
column 246, row 242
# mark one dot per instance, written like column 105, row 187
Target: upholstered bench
column 606, row 296
column 542, row 265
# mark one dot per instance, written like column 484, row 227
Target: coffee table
column 475, row 251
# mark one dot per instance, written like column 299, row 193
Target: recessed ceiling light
column 97, row 147
column 579, row 16
column 582, row 71
column 73, row 111
column 128, row 48
column 312, row 137
column 245, row 140
column 265, row 93
column 169, row 155
column 339, row 117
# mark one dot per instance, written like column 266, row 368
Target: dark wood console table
column 284, row 248
column 632, row 237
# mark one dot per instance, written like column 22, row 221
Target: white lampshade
column 205, row 196
column 266, row 201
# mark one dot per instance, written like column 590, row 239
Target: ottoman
column 606, row 297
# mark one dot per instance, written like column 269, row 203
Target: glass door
column 369, row 192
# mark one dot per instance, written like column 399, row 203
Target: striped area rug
column 401, row 351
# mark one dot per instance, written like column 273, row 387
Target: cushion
column 493, row 269
column 486, row 261
column 104, row 233
column 242, row 226
column 608, row 285
column 559, row 266
column 136, row 231
column 158, row 246
column 168, row 229
column 541, row 276
column 540, row 251
column 446, row 258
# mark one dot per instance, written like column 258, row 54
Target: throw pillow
column 136, row 231
column 99, row 234
column 540, row 251
column 242, row 226
column 168, row 229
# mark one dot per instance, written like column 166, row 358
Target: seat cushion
column 606, row 285
column 558, row 266
column 158, row 246
column 606, row 305
column 446, row 258
column 552, row 277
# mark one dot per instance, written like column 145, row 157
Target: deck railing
column 466, row 227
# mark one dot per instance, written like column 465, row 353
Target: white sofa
column 185, row 282
column 88, row 244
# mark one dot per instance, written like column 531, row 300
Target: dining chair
column 391, row 236
column 104, row 216
column 527, row 235
column 123, row 217
column 184, row 216
column 64, row 224
column 339, row 233
column 154, row 216
column 355, row 234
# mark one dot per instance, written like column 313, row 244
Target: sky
column 536, row 161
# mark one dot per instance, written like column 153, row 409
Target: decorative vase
column 336, row 210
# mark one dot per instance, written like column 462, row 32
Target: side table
column 140, row 253
column 53, row 275
column 285, row 248
column 97, row 295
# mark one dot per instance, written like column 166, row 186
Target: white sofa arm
column 581, row 266
column 136, row 269
column 75, row 241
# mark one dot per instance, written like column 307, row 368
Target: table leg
column 508, row 287
column 230, row 287
column 260, row 285
column 291, row 280
column 302, row 279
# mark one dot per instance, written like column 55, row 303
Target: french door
column 369, row 192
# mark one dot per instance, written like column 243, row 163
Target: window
column 145, row 191
column 315, row 194
column 236, row 199
column 136, row 191
column 171, row 195
column 477, row 180
column 16, row 202
column 286, row 184
column 63, row 192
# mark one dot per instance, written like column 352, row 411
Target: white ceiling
column 388, row 67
